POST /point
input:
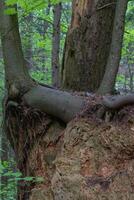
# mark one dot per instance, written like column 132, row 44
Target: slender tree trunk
column 17, row 78
column 76, row 163
column 16, row 71
column 56, row 45
column 108, row 82
column 45, row 25
column 87, row 44
column 28, row 47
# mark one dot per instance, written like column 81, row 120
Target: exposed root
column 23, row 126
column 118, row 102
column 97, row 110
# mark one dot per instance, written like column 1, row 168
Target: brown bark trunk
column 74, row 163
column 108, row 82
column 16, row 72
column 87, row 44
column 54, row 102
column 56, row 45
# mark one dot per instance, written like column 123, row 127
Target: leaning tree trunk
column 108, row 82
column 16, row 71
column 87, row 44
column 74, row 163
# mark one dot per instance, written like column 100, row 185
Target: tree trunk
column 29, row 44
column 87, row 44
column 45, row 26
column 56, row 45
column 108, row 82
column 75, row 163
column 16, row 72
column 54, row 102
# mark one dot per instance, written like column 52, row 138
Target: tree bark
column 56, row 45
column 16, row 72
column 87, row 44
column 29, row 44
column 54, row 102
column 74, row 163
column 108, row 82
column 118, row 102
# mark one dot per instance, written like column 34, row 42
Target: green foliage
column 10, row 11
column 120, row 81
column 128, row 44
column 36, row 35
column 31, row 5
column 14, row 178
column 125, row 76
column 9, row 184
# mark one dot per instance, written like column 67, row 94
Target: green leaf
column 11, row 2
column 39, row 179
column 10, row 11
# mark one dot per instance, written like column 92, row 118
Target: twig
column 106, row 5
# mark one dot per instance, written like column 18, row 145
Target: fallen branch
column 66, row 106
column 57, row 103
column 118, row 102
column 106, row 5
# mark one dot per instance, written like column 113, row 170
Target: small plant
column 11, row 178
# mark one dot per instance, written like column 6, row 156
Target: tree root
column 118, row 102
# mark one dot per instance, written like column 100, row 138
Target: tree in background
column 74, row 162
column 56, row 45
column 125, row 77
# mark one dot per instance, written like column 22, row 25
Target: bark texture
column 56, row 45
column 108, row 82
column 27, row 49
column 16, row 72
column 87, row 44
column 54, row 102
column 89, row 160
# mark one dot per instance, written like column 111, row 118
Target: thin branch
column 106, row 5
column 118, row 102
